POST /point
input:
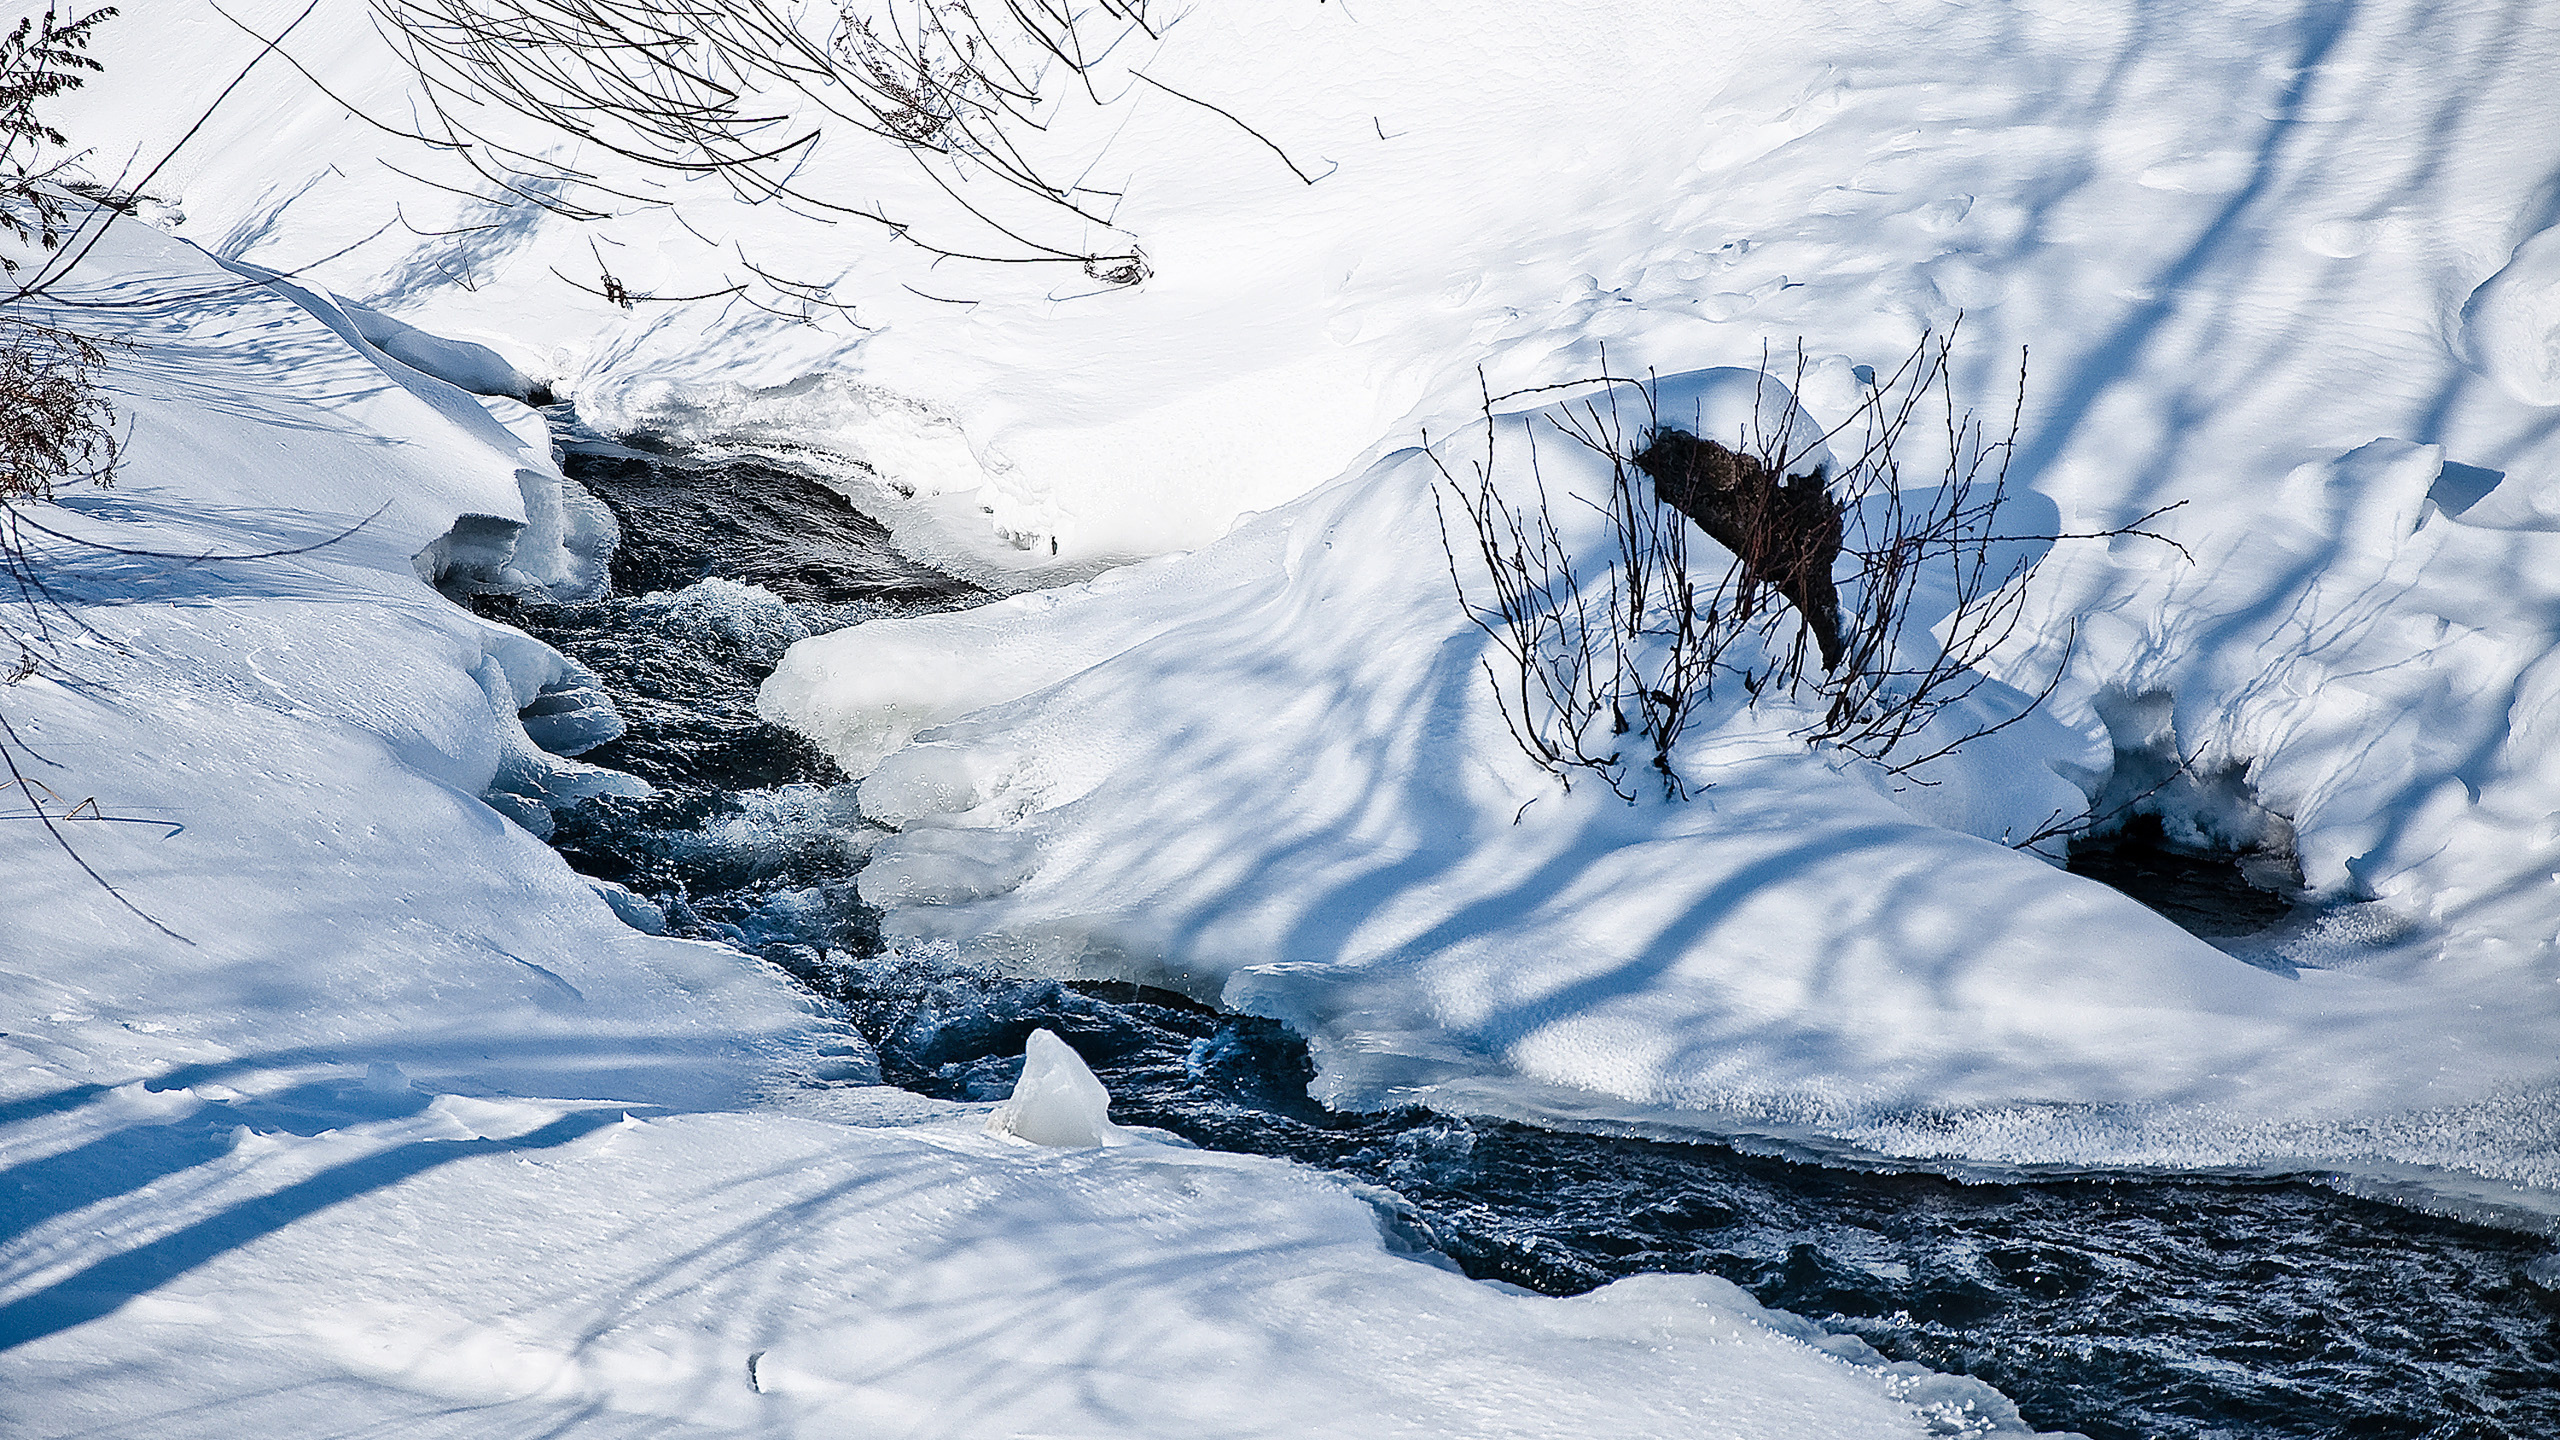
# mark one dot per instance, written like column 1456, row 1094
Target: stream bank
column 2121, row 1306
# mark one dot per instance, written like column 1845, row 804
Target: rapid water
column 2120, row 1306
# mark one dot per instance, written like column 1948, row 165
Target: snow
column 1793, row 953
column 2511, row 325
column 2291, row 265
column 1268, row 772
column 391, row 1123
column 309, row 736
column 2264, row 260
column 455, row 1269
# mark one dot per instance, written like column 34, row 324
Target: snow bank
column 1057, row 1101
column 396, row 1127
column 298, row 746
column 1268, row 771
column 2265, row 258
column 454, row 1270
column 1263, row 802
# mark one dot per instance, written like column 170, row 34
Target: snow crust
column 395, row 1127
column 451, row 1269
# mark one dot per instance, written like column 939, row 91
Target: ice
column 863, row 693
column 464, row 364
column 845, row 1058
column 2545, row 1272
column 1057, row 1102
column 948, row 865
column 630, row 907
column 535, row 691
column 772, row 823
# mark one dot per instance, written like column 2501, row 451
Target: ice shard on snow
column 1057, row 1101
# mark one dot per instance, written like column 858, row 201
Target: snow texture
column 2289, row 265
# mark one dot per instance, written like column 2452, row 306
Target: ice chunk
column 1057, row 1101
column 630, row 906
column 2545, row 1272
column 949, row 867
column 571, row 716
column 471, row 557
column 846, row 1059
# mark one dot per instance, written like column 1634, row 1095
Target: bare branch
column 1816, row 583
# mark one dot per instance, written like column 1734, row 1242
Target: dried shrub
column 56, row 423
column 735, row 90
column 921, row 69
column 1733, row 560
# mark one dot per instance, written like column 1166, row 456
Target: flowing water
column 2116, row 1305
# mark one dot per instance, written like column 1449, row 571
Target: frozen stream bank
column 2119, row 1306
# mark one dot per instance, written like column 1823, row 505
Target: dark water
column 2207, row 894
column 2119, row 1306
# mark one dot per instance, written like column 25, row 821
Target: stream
column 2117, row 1305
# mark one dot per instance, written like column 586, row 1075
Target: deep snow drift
column 395, row 1128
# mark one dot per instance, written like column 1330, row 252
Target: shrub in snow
column 1900, row 592
column 39, row 59
column 54, row 420
column 737, row 89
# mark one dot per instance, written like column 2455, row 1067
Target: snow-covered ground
column 2268, row 261
column 2296, row 266
column 395, row 1128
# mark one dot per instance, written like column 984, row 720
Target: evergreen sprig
column 41, row 58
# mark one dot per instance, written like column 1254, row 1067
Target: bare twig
column 733, row 90
column 1230, row 116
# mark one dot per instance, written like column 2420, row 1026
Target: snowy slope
column 2252, row 279
column 396, row 1129
column 1255, row 799
column 503, row 1271
column 308, row 736
column 2270, row 260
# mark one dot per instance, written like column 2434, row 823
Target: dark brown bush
column 55, row 422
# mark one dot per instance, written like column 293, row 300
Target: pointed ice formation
column 1057, row 1101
